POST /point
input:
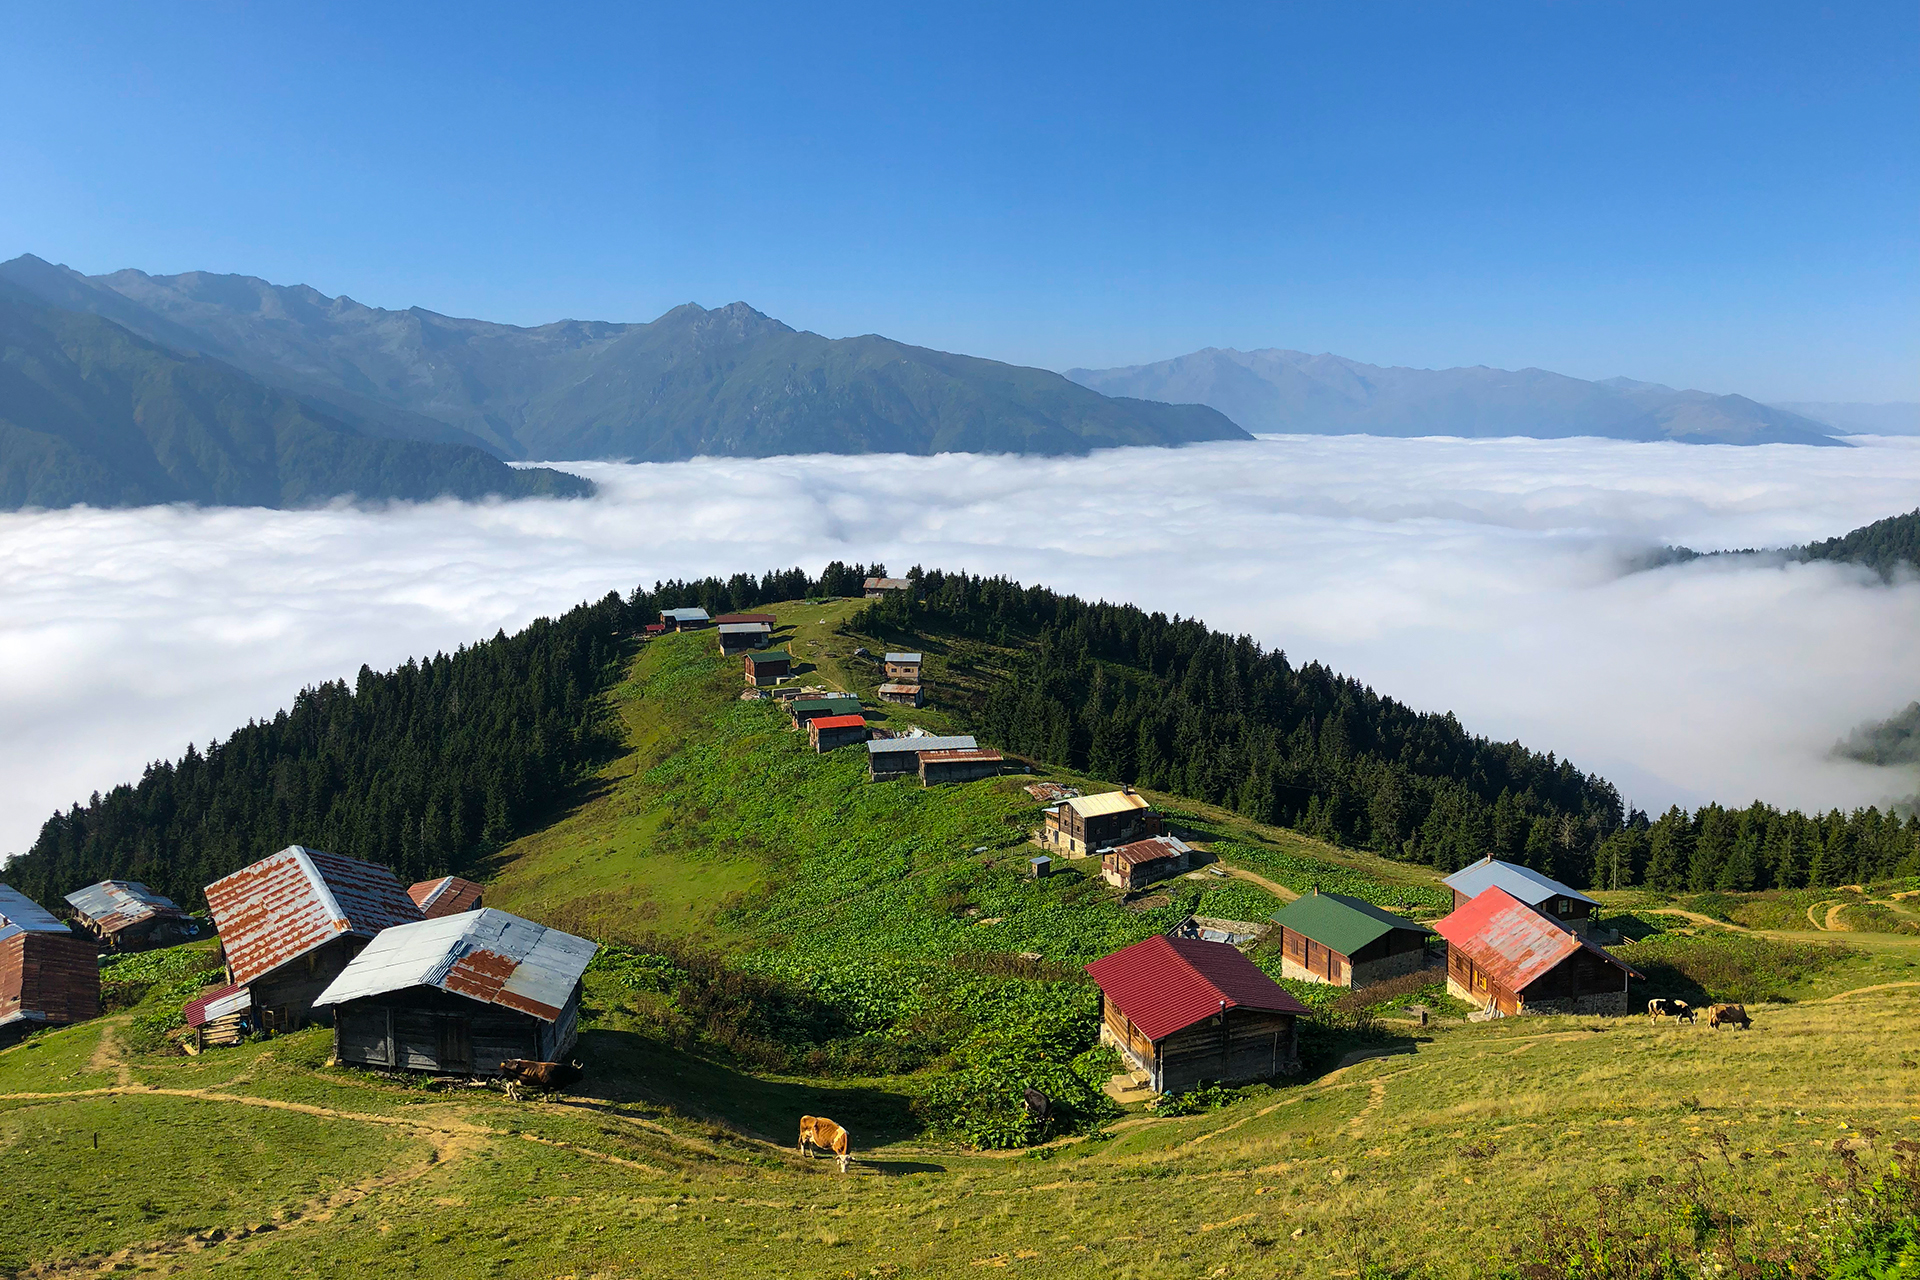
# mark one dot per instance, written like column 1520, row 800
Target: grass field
column 790, row 939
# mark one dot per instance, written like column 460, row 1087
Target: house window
column 1562, row 907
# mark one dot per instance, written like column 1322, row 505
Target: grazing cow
column 1685, row 1013
column 548, row 1077
column 1676, row 1009
column 818, row 1131
column 1728, row 1015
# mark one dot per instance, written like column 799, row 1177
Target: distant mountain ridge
column 728, row 381
column 1275, row 390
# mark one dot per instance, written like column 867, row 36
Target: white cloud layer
column 1481, row 576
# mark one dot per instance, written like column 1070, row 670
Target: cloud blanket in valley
column 1486, row 577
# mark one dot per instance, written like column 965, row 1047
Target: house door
column 456, row 1043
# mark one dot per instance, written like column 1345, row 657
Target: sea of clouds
column 1486, row 576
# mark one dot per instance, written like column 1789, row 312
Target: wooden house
column 768, row 667
column 1181, row 1011
column 1143, row 862
column 1506, row 958
column 904, row 668
column 894, row 757
column 739, row 637
column 959, row 764
column 49, row 975
column 684, row 619
column 881, row 588
column 1330, row 937
column 447, row 896
column 1541, row 892
column 903, row 695
column 290, row 923
column 125, row 915
column 459, row 996
column 1086, row 824
column 824, row 733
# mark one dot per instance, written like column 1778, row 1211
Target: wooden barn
column 1543, row 893
column 959, row 764
column 49, row 975
column 894, row 757
column 902, row 694
column 290, row 923
column 881, row 588
column 1506, row 958
column 1181, row 1011
column 459, row 996
column 684, row 619
column 768, row 667
column 125, row 915
column 824, row 733
column 904, row 667
column 1330, row 937
column 1143, row 862
column 447, row 896
column 1087, row 824
column 739, row 637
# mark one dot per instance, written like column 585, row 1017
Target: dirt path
column 106, row 1054
column 1834, row 922
column 1697, row 918
column 1278, row 890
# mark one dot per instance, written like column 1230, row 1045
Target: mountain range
column 1274, row 390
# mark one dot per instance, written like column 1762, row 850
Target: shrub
column 1194, row 1101
column 1735, row 967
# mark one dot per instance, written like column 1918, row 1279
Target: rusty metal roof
column 982, row 754
column 21, row 914
column 1165, row 985
column 485, row 955
column 1152, row 849
column 112, row 905
column 1511, row 942
column 887, row 584
column 447, row 896
column 217, row 1003
column 298, row 899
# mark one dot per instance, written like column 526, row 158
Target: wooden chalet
column 447, row 896
column 1181, row 1011
column 768, row 667
column 959, row 764
column 684, row 619
column 1086, row 824
column 739, row 637
column 291, row 922
column 903, row 694
column 49, row 975
column 881, row 588
column 1143, row 862
column 1541, row 892
column 1330, row 937
column 824, row 733
column 1506, row 958
column 125, row 915
column 904, row 667
column 459, row 996
column 896, row 757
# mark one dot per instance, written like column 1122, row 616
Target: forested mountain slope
column 92, row 413
column 729, row 381
column 1885, row 546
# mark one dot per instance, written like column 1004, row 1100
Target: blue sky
column 1715, row 194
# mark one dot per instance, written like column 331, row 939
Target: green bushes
column 156, row 984
column 1736, row 967
column 1301, row 874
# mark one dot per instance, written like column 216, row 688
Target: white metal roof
column 925, row 742
column 685, row 615
column 19, row 913
column 903, row 657
column 485, row 955
column 1107, row 802
column 1524, row 883
column 744, row 629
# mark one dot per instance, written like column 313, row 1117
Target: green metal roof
column 848, row 705
column 771, row 655
column 1340, row 923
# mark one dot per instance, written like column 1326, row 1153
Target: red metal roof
column 227, row 999
column 1511, row 942
column 1152, row 849
column 838, row 722
column 1165, row 985
column 447, row 896
column 286, row 905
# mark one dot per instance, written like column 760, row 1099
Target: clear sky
column 1720, row 195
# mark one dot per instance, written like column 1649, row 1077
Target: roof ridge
column 1195, row 971
column 303, row 858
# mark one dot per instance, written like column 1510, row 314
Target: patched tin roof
column 1511, row 942
column 485, row 955
column 298, row 899
column 1152, row 849
column 21, row 914
column 1524, row 883
column 447, row 896
column 112, row 905
column 217, row 1003
column 1165, row 985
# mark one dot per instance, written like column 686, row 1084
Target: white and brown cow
column 818, row 1131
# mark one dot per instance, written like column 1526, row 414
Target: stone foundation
column 1605, row 1003
column 1365, row 975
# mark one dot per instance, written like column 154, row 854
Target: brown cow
column 1728, row 1015
column 548, row 1077
column 818, row 1131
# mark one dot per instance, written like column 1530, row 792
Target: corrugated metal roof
column 887, row 584
column 899, row 688
column 447, row 896
column 961, row 753
column 838, row 722
column 21, row 914
column 1165, row 985
column 1152, row 849
column 903, row 657
column 218, row 1003
column 744, row 629
column 770, row 656
column 485, row 955
column 726, row 619
column 1524, row 883
column 1514, row 944
column 1107, row 802
column 286, row 905
column 112, row 905
column 685, row 615
column 924, row 742
column 1339, row 922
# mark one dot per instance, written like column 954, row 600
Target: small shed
column 1182, row 1011
column 768, row 668
column 1142, row 862
column 905, row 695
column 1041, row 866
column 49, row 975
column 1333, row 938
column 1541, row 892
column 805, row 709
column 959, row 765
column 460, row 995
column 738, row 637
column 892, row 757
column 1507, row 958
column 447, row 896
column 220, row 1017
column 904, row 667
column 684, row 619
column 1083, row 824
column 825, row 733
column 290, row 923
column 126, row 916
column 881, row 588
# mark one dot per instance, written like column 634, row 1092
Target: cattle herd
column 1718, row 1015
